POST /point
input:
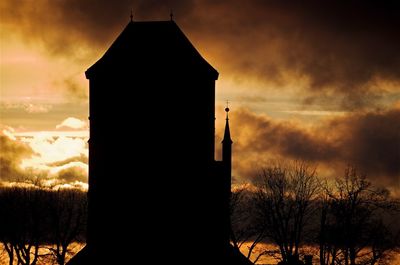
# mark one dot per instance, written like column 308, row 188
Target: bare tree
column 350, row 219
column 29, row 224
column 237, row 215
column 244, row 226
column 10, row 249
column 7, row 207
column 34, row 221
column 381, row 243
column 20, row 224
column 283, row 201
column 67, row 212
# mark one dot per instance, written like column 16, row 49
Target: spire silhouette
column 227, row 146
column 227, row 134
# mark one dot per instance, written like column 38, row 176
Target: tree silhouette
column 67, row 221
column 351, row 215
column 29, row 216
column 283, row 201
column 7, row 234
column 381, row 242
column 243, row 223
column 35, row 220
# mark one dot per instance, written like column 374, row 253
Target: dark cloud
column 64, row 25
column 73, row 174
column 75, row 90
column 288, row 138
column 370, row 141
column 345, row 51
column 11, row 154
column 340, row 49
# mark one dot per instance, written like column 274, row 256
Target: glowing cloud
column 51, row 150
column 73, row 123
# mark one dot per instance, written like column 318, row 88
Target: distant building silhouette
column 156, row 192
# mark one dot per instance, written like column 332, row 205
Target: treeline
column 347, row 221
column 38, row 226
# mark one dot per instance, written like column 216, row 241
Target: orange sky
column 311, row 81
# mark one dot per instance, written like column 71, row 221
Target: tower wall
column 151, row 163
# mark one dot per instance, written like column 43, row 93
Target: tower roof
column 155, row 45
column 227, row 133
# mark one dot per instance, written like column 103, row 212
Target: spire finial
column 171, row 15
column 227, row 109
column 131, row 16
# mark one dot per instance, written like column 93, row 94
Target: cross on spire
column 131, row 16
column 171, row 15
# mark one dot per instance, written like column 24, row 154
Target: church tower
column 155, row 190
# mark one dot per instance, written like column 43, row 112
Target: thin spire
column 227, row 133
column 171, row 15
column 131, row 16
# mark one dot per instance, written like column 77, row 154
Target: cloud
column 342, row 51
column 332, row 52
column 42, row 160
column 27, row 107
column 52, row 149
column 81, row 158
column 369, row 140
column 75, row 89
column 12, row 153
column 73, row 172
column 72, row 123
column 37, row 108
column 338, row 50
column 46, row 149
column 372, row 142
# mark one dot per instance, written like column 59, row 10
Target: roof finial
column 171, row 15
column 131, row 16
column 227, row 109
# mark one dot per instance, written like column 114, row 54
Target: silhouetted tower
column 155, row 189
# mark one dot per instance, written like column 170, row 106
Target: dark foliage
column 33, row 219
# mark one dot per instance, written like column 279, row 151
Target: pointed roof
column 227, row 134
column 153, row 44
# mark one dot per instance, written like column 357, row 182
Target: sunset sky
column 312, row 80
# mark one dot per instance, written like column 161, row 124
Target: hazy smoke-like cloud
column 72, row 174
column 27, row 107
column 11, row 154
column 73, row 88
column 370, row 141
column 339, row 50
